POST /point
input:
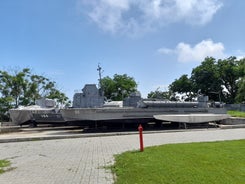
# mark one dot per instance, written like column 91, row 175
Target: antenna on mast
column 100, row 85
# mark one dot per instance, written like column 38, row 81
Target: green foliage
column 206, row 78
column 220, row 80
column 14, row 86
column 230, row 73
column 59, row 96
column 23, row 88
column 183, row 86
column 4, row 164
column 240, row 98
column 217, row 162
column 119, row 87
column 166, row 95
column 5, row 105
column 236, row 114
column 109, row 87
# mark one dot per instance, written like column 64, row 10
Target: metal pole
column 140, row 128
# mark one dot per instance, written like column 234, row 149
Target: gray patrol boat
column 89, row 105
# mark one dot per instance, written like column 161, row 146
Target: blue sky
column 153, row 41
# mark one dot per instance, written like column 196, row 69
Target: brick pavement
column 82, row 160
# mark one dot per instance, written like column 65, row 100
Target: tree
column 38, row 87
column 5, row 105
column 230, row 73
column 206, row 79
column 240, row 97
column 119, row 87
column 220, row 80
column 60, row 97
column 108, row 86
column 183, row 86
column 14, row 86
column 157, row 94
column 24, row 88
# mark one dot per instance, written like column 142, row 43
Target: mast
column 100, row 85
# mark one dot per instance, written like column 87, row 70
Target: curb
column 41, row 138
column 232, row 126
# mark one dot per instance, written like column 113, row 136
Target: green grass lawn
column 3, row 164
column 197, row 163
column 236, row 113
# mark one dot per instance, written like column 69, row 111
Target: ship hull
column 20, row 117
column 103, row 114
column 192, row 118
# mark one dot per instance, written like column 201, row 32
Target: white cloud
column 186, row 53
column 121, row 4
column 137, row 16
column 239, row 54
column 197, row 12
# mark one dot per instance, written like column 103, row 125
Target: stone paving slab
column 82, row 160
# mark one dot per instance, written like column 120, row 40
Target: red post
column 140, row 128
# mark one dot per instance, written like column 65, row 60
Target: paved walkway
column 82, row 160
